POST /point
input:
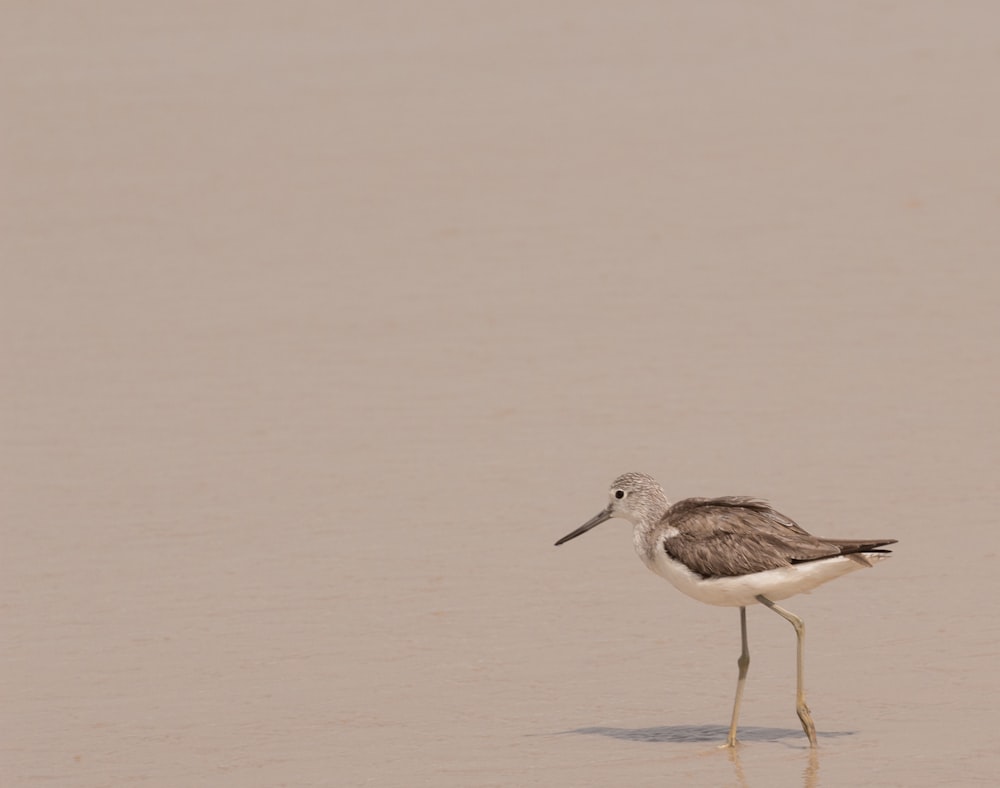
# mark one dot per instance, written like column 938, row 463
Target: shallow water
column 322, row 323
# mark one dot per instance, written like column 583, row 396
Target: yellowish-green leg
column 800, row 693
column 744, row 664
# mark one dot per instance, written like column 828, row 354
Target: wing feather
column 723, row 537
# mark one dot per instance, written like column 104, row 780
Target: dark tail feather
column 849, row 546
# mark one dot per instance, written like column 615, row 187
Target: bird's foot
column 805, row 717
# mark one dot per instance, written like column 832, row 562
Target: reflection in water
column 702, row 733
column 717, row 734
column 810, row 776
column 734, row 759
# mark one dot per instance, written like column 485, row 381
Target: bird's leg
column 744, row 664
column 800, row 693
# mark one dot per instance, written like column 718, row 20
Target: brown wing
column 723, row 537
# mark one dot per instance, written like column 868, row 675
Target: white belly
column 775, row 584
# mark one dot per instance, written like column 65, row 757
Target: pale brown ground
column 321, row 322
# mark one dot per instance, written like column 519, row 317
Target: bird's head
column 635, row 497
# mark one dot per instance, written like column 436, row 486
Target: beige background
column 322, row 321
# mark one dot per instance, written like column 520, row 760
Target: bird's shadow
column 681, row 734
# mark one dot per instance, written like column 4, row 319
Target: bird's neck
column 644, row 532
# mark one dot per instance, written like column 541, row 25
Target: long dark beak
column 591, row 523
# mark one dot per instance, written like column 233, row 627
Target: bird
column 733, row 551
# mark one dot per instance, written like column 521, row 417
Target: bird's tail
column 870, row 559
column 867, row 552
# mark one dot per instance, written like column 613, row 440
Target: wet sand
column 321, row 323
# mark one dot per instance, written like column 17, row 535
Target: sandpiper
column 733, row 551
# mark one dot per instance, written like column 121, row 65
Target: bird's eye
column 619, row 494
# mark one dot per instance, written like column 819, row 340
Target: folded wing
column 723, row 537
